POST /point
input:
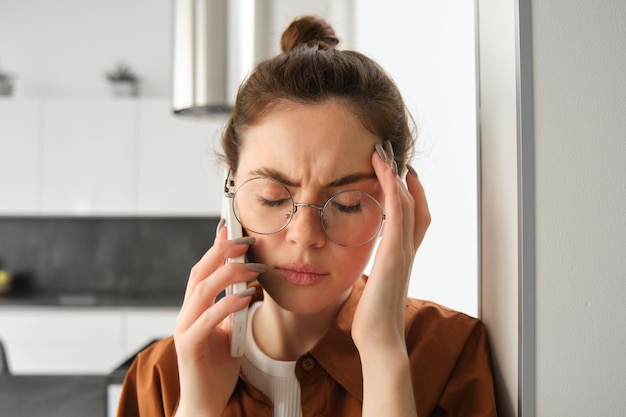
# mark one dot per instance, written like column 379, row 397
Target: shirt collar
column 336, row 351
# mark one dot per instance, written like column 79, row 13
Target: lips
column 302, row 274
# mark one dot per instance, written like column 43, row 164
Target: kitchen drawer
column 69, row 340
column 146, row 325
column 49, row 341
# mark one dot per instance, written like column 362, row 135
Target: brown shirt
column 448, row 353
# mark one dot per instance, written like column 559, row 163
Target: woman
column 317, row 142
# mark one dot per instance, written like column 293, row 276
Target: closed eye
column 347, row 209
column 272, row 203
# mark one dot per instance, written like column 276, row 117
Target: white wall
column 429, row 49
column 499, row 223
column 580, row 156
column 579, row 111
column 62, row 48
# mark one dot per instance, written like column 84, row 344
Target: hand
column 379, row 319
column 378, row 325
column 208, row 374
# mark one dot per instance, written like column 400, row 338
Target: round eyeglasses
column 349, row 218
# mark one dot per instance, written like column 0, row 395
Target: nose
column 305, row 227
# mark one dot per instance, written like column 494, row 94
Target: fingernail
column 255, row 267
column 381, row 152
column 219, row 226
column 392, row 157
column 389, row 149
column 411, row 170
column 246, row 240
column 247, row 292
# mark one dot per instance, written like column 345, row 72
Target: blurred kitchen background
column 107, row 201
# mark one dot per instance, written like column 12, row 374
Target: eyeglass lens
column 349, row 218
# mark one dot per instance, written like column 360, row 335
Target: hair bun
column 308, row 30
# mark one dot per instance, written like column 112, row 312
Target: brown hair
column 311, row 71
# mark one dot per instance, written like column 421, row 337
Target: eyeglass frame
column 230, row 182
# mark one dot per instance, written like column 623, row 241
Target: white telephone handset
column 239, row 319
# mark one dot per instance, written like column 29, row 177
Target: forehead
column 308, row 142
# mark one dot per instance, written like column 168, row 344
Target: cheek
column 358, row 258
column 253, row 255
column 345, row 261
column 263, row 245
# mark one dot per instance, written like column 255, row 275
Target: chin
column 303, row 300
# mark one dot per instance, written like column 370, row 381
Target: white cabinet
column 177, row 172
column 78, row 340
column 20, row 157
column 145, row 325
column 88, row 156
column 60, row 341
column 115, row 157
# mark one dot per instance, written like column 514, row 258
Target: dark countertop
column 90, row 299
column 53, row 395
column 61, row 395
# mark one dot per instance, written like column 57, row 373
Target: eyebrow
column 345, row 180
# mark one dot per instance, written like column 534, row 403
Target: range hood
column 216, row 43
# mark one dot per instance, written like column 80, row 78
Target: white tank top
column 276, row 379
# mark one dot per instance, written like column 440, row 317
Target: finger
column 216, row 257
column 210, row 260
column 213, row 259
column 408, row 218
column 422, row 212
column 212, row 323
column 393, row 228
column 217, row 314
column 204, row 295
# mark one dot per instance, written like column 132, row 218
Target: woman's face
column 317, row 151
